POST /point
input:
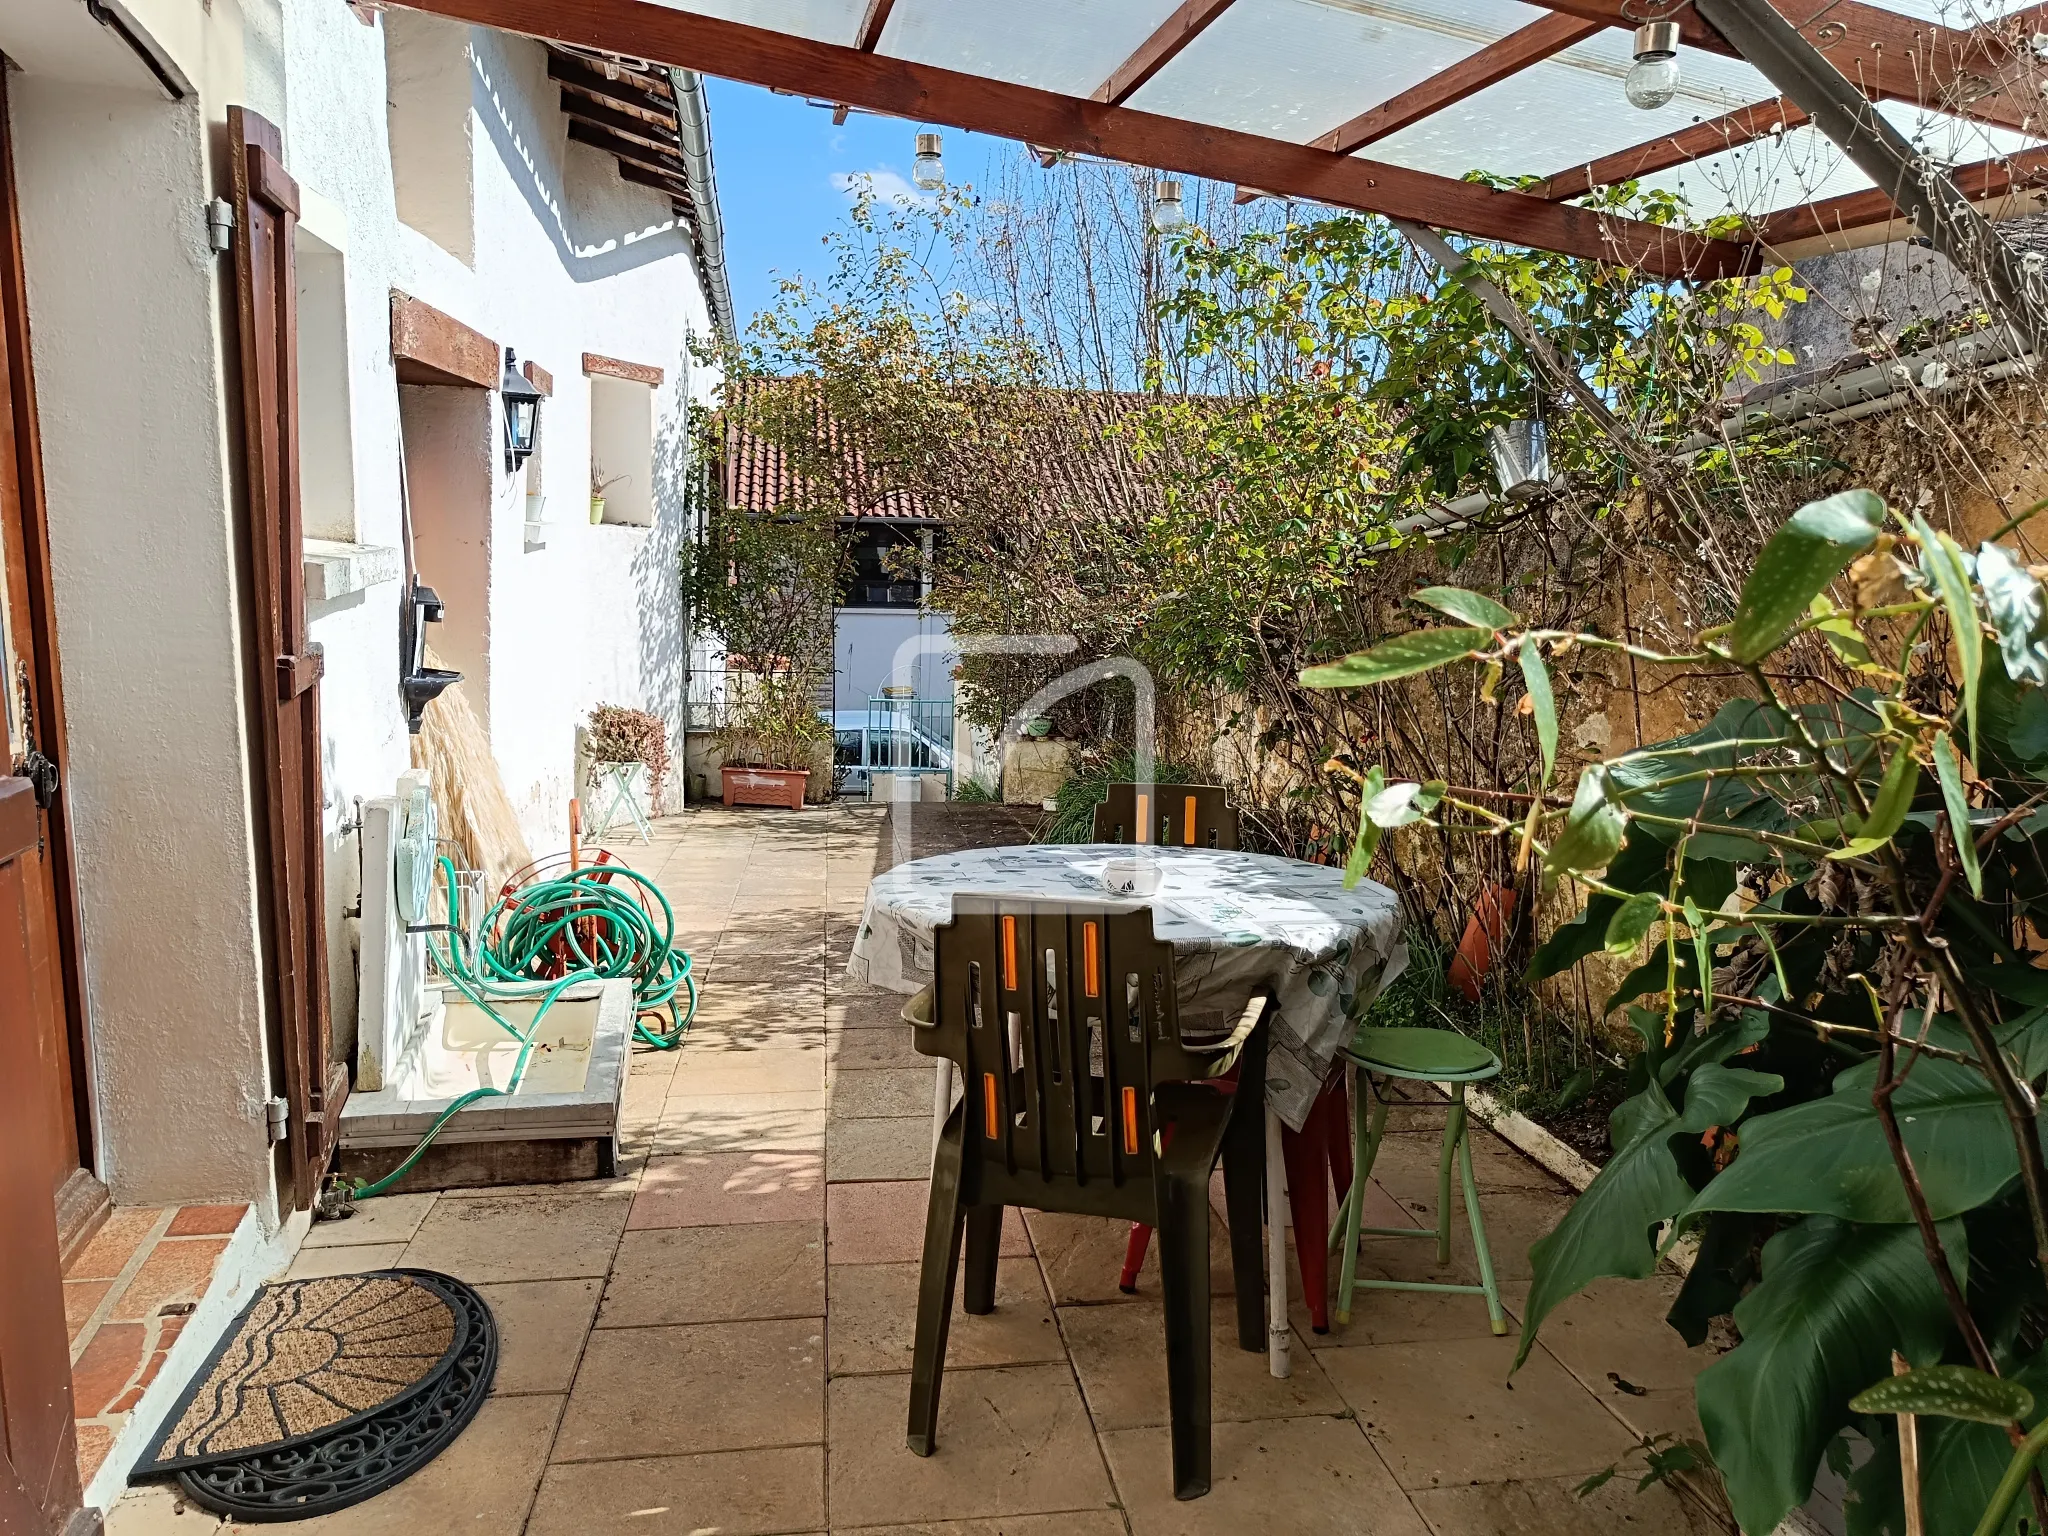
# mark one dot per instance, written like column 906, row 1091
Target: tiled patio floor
column 718, row 1339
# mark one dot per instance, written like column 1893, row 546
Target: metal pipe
column 693, row 137
column 1923, row 191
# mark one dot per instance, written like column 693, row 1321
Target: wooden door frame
column 285, row 671
column 42, row 624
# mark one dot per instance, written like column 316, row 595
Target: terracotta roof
column 756, row 474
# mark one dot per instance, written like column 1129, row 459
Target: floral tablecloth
column 1238, row 922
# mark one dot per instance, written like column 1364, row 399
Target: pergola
column 1822, row 123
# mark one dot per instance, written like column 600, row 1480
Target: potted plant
column 772, row 736
column 762, row 586
column 618, row 735
column 599, row 484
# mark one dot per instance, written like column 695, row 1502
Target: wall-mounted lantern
column 522, row 414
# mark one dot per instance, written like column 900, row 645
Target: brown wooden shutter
column 288, row 667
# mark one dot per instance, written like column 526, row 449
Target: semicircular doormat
column 326, row 1392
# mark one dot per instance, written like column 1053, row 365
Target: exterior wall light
column 1653, row 78
column 1167, row 213
column 928, row 170
column 522, row 414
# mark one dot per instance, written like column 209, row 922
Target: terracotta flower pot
column 765, row 786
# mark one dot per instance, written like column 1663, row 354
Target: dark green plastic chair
column 1080, row 1095
column 1421, row 1056
column 1168, row 816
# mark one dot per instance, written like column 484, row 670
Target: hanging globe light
column 1653, row 79
column 1167, row 213
column 928, row 170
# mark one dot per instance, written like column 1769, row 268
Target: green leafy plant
column 1838, row 890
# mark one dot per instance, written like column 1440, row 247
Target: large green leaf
column 1942, row 558
column 1592, row 828
column 1542, row 704
column 1949, row 1392
column 1421, row 650
column 1829, row 1156
column 1812, row 549
column 1634, row 919
column 1607, row 1230
column 1835, row 1300
column 1471, row 607
column 1367, row 843
column 1950, row 772
column 1642, row 865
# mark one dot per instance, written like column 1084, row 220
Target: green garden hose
column 585, row 926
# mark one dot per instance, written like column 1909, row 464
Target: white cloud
column 888, row 186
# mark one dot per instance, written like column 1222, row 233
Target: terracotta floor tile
column 711, row 1387
column 94, row 1441
column 715, row 1188
column 385, row 1219
column 1280, row 1477
column 541, row 1328
column 1012, row 1441
column 177, row 1270
column 1442, row 1413
column 1083, row 1257
column 316, row 1263
column 705, row 1124
column 1409, row 1164
column 522, row 1237
column 157, row 1510
column 882, row 1092
column 482, row 1485
column 112, row 1359
column 1617, row 1328
column 874, row 1320
column 863, row 1151
column 884, row 1223
column 729, row 1273
column 863, row 1049
column 732, row 1493
column 1096, row 1522
column 116, row 1242
column 1120, row 1356
column 1553, row 1508
column 207, row 1220
column 766, row 1071
column 81, row 1298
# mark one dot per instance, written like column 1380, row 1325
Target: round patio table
column 1239, row 923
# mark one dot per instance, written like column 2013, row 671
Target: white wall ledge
column 336, row 570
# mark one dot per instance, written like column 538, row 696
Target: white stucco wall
column 869, row 643
column 130, row 330
column 565, row 259
column 135, row 353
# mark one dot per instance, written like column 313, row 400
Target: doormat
column 326, row 1392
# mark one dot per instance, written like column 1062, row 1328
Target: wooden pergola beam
column 1979, row 182
column 1742, row 126
column 626, row 149
column 926, row 93
column 1489, row 66
column 583, row 110
column 872, row 20
column 641, row 176
column 1189, row 20
column 567, row 71
column 1887, row 56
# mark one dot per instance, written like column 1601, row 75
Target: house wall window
column 327, row 463
column 622, row 449
column 426, row 92
column 871, row 582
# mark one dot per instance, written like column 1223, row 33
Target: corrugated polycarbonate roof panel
column 823, row 21
column 1069, row 46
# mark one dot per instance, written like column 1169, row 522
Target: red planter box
column 765, row 786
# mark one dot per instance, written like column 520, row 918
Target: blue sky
column 777, row 158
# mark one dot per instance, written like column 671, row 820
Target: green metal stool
column 1420, row 1056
